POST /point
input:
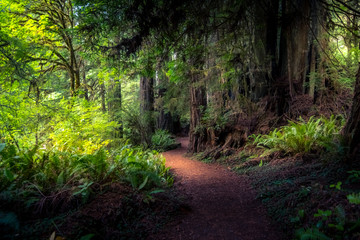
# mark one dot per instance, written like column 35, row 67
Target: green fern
column 354, row 198
column 302, row 136
column 311, row 234
column 162, row 140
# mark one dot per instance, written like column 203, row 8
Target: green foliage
column 52, row 172
column 332, row 223
column 354, row 176
column 62, row 145
column 311, row 234
column 177, row 70
column 303, row 137
column 215, row 118
column 354, row 198
column 337, row 185
column 162, row 140
column 143, row 169
column 82, row 128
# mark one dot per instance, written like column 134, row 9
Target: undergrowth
column 64, row 160
column 314, row 135
column 299, row 174
column 162, row 141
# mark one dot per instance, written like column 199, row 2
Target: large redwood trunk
column 147, row 108
column 293, row 52
column 264, row 47
column 352, row 128
column 197, row 135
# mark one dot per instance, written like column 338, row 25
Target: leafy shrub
column 45, row 174
column 332, row 223
column 81, row 128
column 304, row 137
column 162, row 140
column 56, row 155
column 143, row 169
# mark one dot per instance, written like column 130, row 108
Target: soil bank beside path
column 221, row 204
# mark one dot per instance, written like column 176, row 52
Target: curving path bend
column 221, row 204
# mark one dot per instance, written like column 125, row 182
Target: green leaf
column 337, row 226
column 340, row 215
column 87, row 237
column 337, row 186
column 156, row 191
column 261, row 163
column 2, row 146
column 9, row 175
column 60, row 179
column 354, row 198
column 310, row 234
column 144, row 183
column 301, row 213
column 83, row 188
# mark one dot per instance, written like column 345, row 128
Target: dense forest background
column 90, row 88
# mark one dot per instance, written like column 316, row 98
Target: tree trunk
column 293, row 51
column 86, row 90
column 72, row 84
column 197, row 107
column 312, row 80
column 264, row 47
column 198, row 101
column 197, row 135
column 147, row 108
column 114, row 106
column 165, row 119
column 352, row 128
column 317, row 45
column 102, row 95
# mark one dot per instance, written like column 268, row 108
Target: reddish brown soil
column 220, row 204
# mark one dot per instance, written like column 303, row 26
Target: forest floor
column 218, row 204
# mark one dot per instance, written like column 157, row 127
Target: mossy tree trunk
column 197, row 135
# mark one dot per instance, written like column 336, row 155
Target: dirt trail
column 222, row 205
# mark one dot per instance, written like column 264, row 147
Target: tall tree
column 352, row 128
column 53, row 23
column 147, row 107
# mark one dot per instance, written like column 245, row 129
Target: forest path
column 222, row 205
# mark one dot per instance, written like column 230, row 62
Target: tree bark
column 197, row 136
column 85, row 87
column 264, row 47
column 114, row 106
column 102, row 95
column 293, row 51
column 352, row 128
column 147, row 108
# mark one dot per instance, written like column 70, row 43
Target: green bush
column 303, row 137
column 40, row 174
column 162, row 141
column 143, row 169
column 63, row 151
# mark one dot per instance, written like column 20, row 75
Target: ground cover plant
column 299, row 174
column 67, row 167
